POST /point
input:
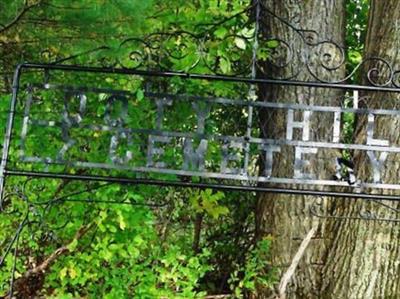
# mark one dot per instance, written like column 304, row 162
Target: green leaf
column 218, row 211
column 139, row 95
column 225, row 65
column 63, row 273
column 355, row 56
column 272, row 44
column 240, row 43
column 72, row 272
column 72, row 246
column 121, row 221
column 221, row 32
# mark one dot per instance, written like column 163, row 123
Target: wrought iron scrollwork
column 367, row 210
column 318, row 54
column 306, row 53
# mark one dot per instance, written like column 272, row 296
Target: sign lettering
column 198, row 144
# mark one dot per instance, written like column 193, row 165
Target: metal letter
column 25, row 123
column 160, row 111
column 269, row 157
column 304, row 125
column 300, row 163
column 228, row 157
column 115, row 139
column 355, row 99
column 377, row 164
column 202, row 112
column 194, row 158
column 152, row 150
column 117, row 123
column 120, row 120
column 370, row 133
column 336, row 126
column 70, row 120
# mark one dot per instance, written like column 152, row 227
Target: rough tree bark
column 363, row 261
column 286, row 217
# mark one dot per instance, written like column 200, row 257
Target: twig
column 290, row 271
column 39, row 270
column 197, row 233
column 24, row 10
column 59, row 251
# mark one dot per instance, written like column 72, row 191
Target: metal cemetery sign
column 165, row 136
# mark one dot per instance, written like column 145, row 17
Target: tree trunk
column 285, row 217
column 363, row 261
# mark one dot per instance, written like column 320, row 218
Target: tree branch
column 197, row 233
column 24, row 10
column 28, row 283
column 57, row 253
column 290, row 271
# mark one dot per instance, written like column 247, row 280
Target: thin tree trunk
column 285, row 217
column 364, row 261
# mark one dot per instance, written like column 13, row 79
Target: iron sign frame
column 5, row 171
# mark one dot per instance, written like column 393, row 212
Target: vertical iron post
column 8, row 133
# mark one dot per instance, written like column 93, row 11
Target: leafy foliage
column 156, row 243
column 256, row 272
column 357, row 15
